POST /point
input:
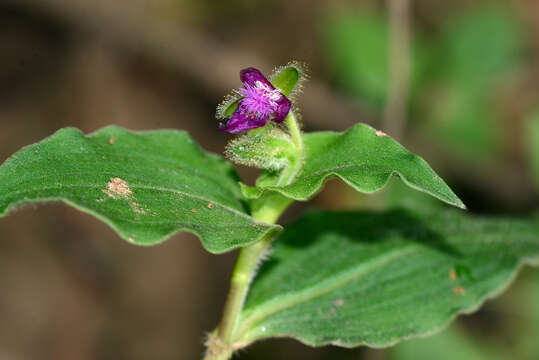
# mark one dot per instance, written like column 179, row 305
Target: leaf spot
column 210, row 206
column 112, row 139
column 380, row 133
column 118, row 189
column 453, row 274
column 136, row 208
column 459, row 290
column 338, row 302
column 193, row 211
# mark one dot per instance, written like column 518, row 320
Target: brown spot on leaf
column 193, row 211
column 338, row 302
column 118, row 189
column 453, row 274
column 210, row 206
column 112, row 139
column 136, row 208
column 459, row 290
column 380, row 133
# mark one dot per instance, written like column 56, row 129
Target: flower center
column 260, row 100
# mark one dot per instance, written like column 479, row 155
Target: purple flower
column 260, row 102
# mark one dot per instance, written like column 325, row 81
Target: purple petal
column 282, row 109
column 251, row 75
column 240, row 122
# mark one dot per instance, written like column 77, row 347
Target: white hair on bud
column 225, row 104
column 251, row 149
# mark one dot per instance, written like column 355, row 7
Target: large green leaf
column 362, row 157
column 147, row 185
column 373, row 279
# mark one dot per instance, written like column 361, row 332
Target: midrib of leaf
column 260, row 312
column 175, row 165
column 145, row 187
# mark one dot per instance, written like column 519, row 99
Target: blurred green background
column 71, row 289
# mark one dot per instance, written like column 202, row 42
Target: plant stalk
column 220, row 345
column 295, row 131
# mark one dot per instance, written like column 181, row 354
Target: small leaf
column 363, row 158
column 360, row 278
column 147, row 185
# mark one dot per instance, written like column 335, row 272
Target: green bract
column 146, row 185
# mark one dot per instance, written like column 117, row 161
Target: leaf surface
column 360, row 278
column 365, row 159
column 146, row 185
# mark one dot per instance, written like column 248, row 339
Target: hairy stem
column 220, row 343
column 295, row 131
column 268, row 209
column 244, row 270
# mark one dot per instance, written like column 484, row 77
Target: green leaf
column 147, row 185
column 363, row 158
column 359, row 278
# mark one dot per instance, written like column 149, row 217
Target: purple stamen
column 261, row 102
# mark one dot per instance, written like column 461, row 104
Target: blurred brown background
column 71, row 289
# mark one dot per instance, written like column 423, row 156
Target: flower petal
column 251, row 76
column 282, row 109
column 240, row 122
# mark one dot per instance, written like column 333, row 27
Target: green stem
column 244, row 270
column 220, row 343
column 266, row 209
column 297, row 163
column 295, row 131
